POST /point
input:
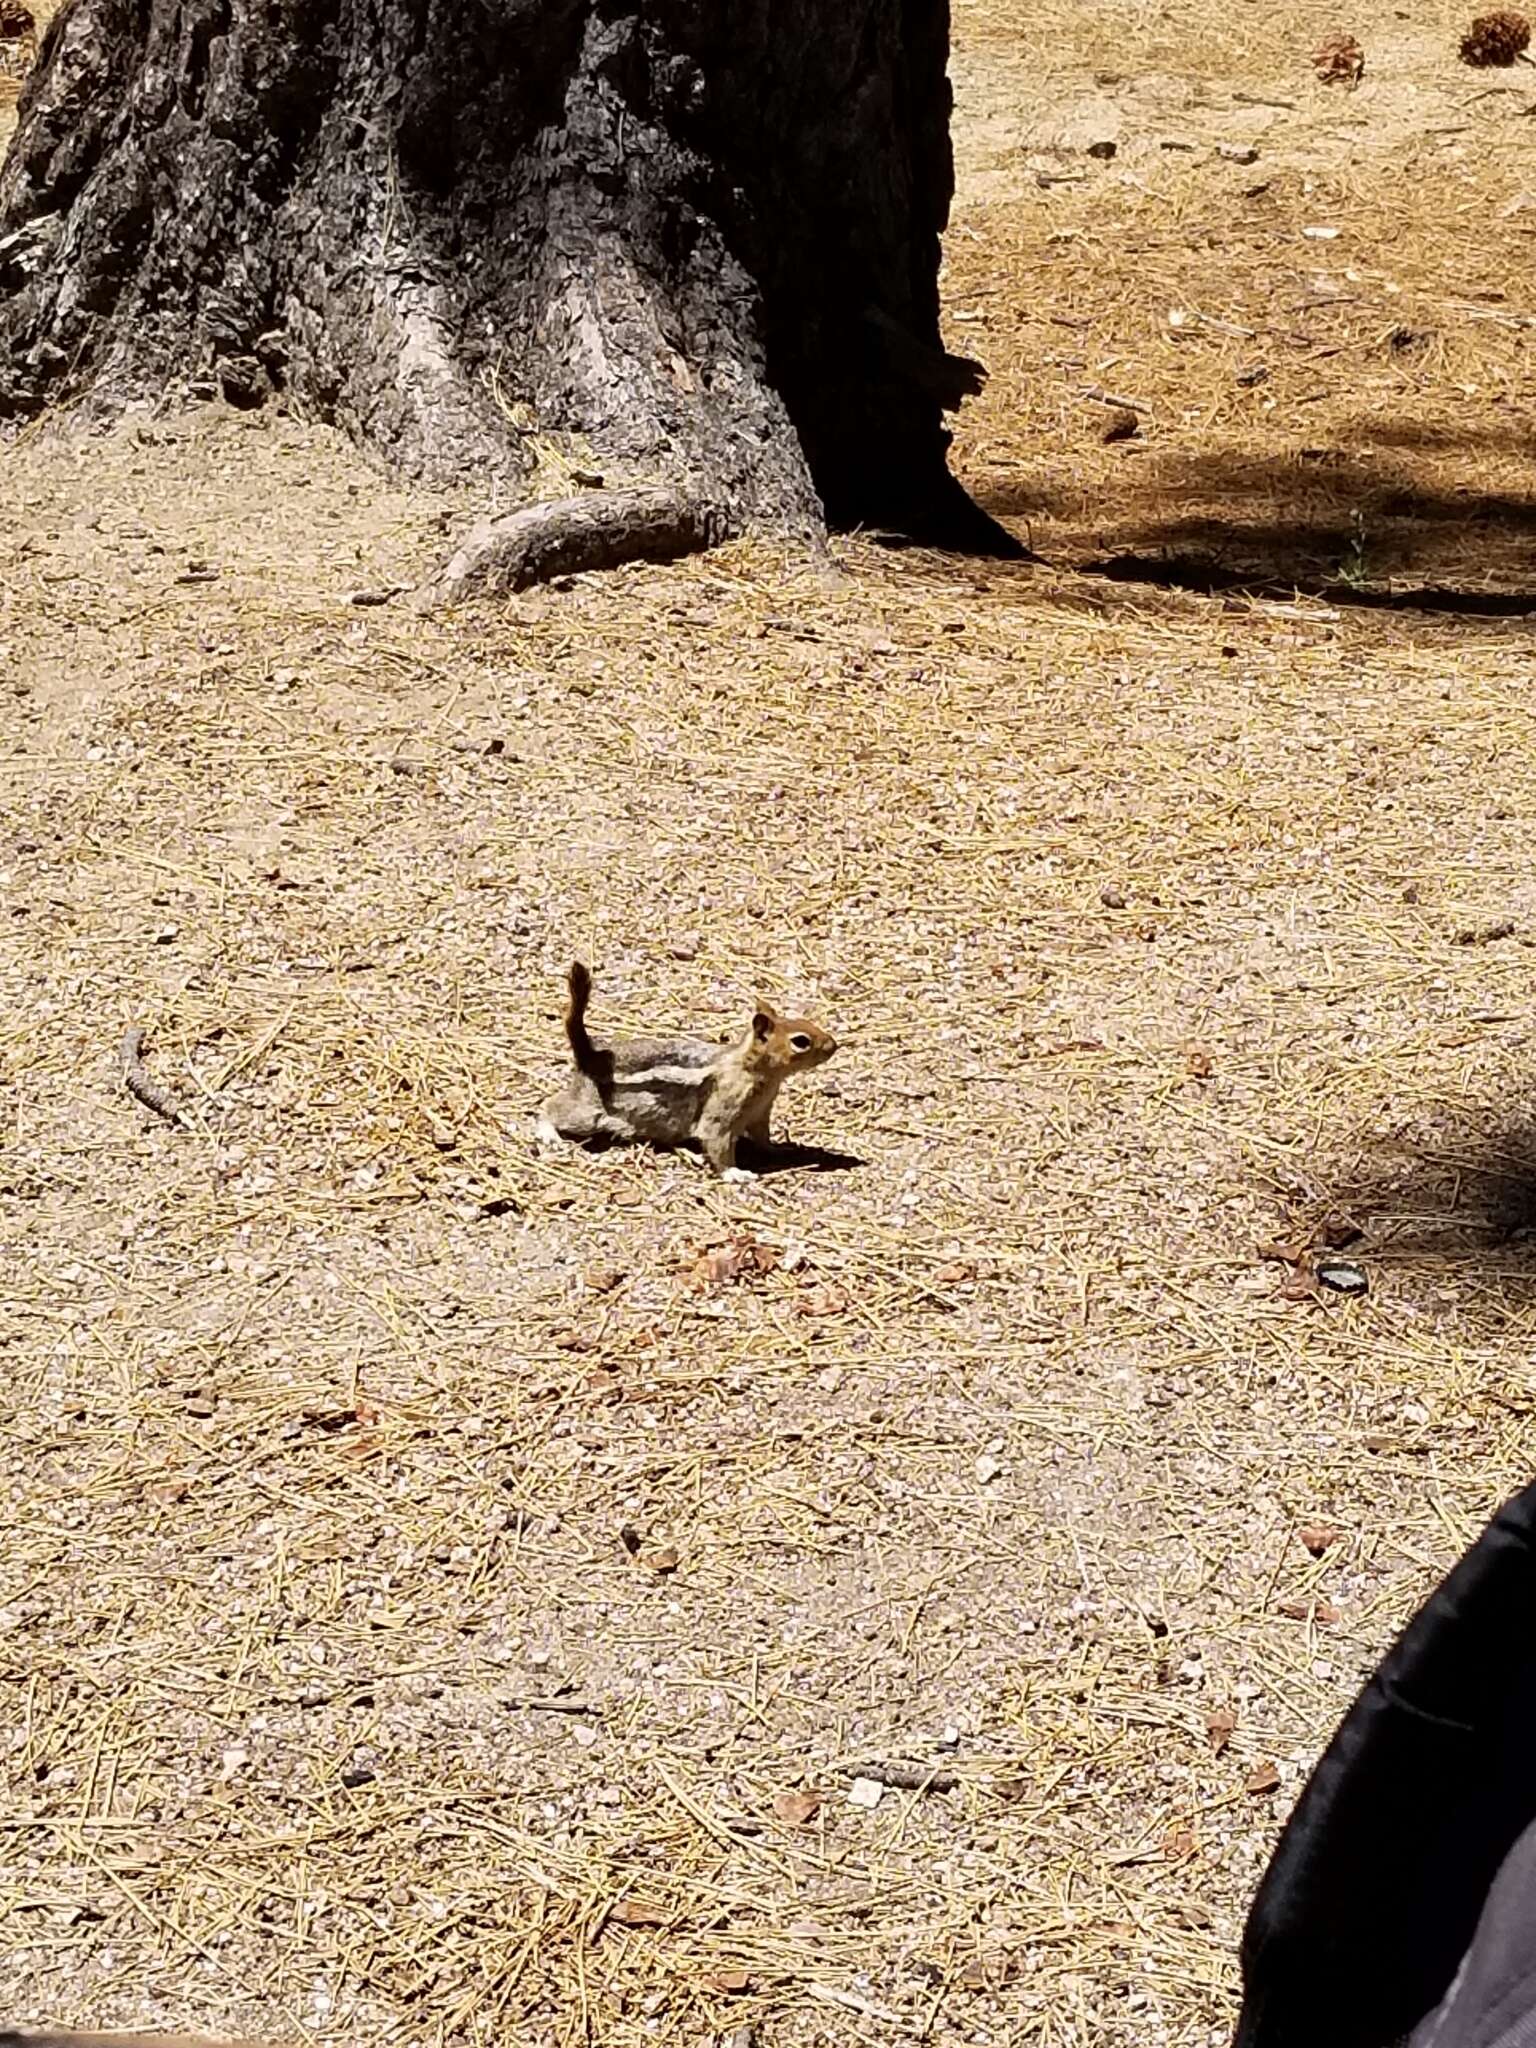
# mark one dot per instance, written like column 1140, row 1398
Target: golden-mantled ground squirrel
column 676, row 1091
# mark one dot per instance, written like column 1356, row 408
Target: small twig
column 1102, row 397
column 138, row 1082
column 853, row 2003
column 547, row 1706
column 903, row 1777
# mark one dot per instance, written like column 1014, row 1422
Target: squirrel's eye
column 800, row 1043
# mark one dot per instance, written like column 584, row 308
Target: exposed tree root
column 564, row 536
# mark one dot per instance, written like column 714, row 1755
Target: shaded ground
column 332, row 1700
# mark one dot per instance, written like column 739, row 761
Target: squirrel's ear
column 764, row 1017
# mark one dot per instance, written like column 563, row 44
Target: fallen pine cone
column 1500, row 38
column 1339, row 61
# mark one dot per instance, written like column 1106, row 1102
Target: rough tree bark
column 696, row 241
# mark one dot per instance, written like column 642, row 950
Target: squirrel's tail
column 579, row 981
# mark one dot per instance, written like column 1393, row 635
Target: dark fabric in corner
column 1492, row 2003
column 1373, row 1894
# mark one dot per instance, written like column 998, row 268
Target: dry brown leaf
column 955, row 1274
column 720, row 1263
column 825, row 1300
column 661, row 1561
column 1263, row 1778
column 795, row 1809
column 1280, row 1251
column 1297, row 1286
column 603, row 1279
column 1179, row 1844
column 713, row 1265
column 1318, row 1537
column 1199, row 1062
column 729, row 1979
column 638, row 1913
column 1219, row 1724
column 1323, row 1612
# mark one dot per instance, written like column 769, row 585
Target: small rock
column 1237, row 152
column 866, row 1792
column 1112, row 899
column 987, row 1468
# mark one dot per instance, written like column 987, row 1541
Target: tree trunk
column 692, row 245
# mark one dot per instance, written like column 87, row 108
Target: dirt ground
column 445, row 1601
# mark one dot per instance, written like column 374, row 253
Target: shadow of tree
column 1360, row 526
column 1457, row 1197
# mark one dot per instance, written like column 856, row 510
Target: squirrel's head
column 790, row 1044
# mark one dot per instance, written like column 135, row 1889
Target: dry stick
column 138, row 1082
column 904, row 1777
column 852, row 2002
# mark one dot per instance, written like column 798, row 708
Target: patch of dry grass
column 335, row 1703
